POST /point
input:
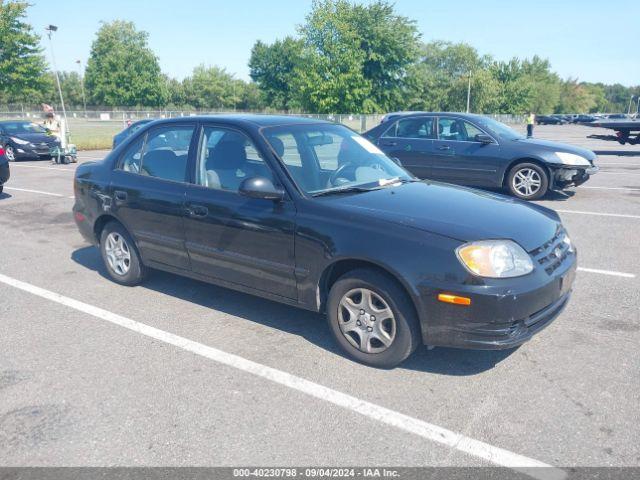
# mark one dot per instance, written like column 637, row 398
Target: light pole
column 50, row 29
column 84, row 98
column 469, row 92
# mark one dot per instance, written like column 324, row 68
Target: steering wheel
column 339, row 173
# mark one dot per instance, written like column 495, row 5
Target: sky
column 577, row 36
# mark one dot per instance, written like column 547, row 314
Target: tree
column 122, row 70
column 390, row 44
column 273, row 67
column 330, row 77
column 22, row 65
column 71, row 86
column 209, row 87
column 440, row 77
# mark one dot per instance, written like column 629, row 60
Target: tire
column 1, row 188
column 10, row 153
column 532, row 189
column 402, row 330
column 123, row 262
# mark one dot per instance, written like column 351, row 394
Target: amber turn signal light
column 455, row 299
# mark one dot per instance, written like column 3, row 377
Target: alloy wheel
column 9, row 153
column 118, row 253
column 366, row 320
column 527, row 182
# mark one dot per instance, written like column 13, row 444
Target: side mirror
column 483, row 138
column 261, row 187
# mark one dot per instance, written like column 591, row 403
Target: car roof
column 250, row 119
column 418, row 114
column 4, row 122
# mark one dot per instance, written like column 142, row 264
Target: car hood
column 461, row 213
column 36, row 137
column 528, row 143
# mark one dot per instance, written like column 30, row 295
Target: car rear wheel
column 120, row 255
column 372, row 319
column 10, row 153
column 528, row 181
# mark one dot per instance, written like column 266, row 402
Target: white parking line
column 34, row 191
column 580, row 212
column 428, row 431
column 59, row 169
column 607, row 272
column 600, row 164
column 611, row 188
column 617, row 173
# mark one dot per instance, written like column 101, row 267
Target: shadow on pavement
column 308, row 325
column 4, row 195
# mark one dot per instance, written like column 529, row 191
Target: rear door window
column 414, row 127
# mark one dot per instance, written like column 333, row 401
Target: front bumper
column 564, row 177
column 24, row 152
column 503, row 314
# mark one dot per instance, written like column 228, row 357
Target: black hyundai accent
column 313, row 215
column 478, row 151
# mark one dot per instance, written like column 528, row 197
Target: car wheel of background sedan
column 120, row 255
column 372, row 318
column 10, row 153
column 528, row 181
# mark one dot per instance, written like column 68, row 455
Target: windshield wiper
column 336, row 191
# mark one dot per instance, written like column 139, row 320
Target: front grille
column 554, row 252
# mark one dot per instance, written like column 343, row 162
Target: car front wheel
column 372, row 318
column 120, row 255
column 528, row 181
column 10, row 153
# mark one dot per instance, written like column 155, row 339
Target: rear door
column 411, row 140
column 459, row 158
column 148, row 190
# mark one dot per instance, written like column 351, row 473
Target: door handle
column 199, row 211
column 444, row 147
column 389, row 144
column 120, row 196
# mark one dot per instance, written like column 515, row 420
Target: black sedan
column 26, row 141
column 4, row 169
column 313, row 215
column 478, row 151
column 550, row 120
column 130, row 130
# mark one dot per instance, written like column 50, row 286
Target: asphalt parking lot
column 226, row 379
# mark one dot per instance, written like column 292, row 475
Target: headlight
column 19, row 141
column 572, row 159
column 495, row 259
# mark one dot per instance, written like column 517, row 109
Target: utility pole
column 50, row 29
column 84, row 98
column 630, row 103
column 469, row 92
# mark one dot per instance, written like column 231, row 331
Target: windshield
column 500, row 129
column 17, row 128
column 328, row 157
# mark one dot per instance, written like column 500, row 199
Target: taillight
column 1, row 151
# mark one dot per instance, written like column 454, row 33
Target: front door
column 148, row 189
column 244, row 241
column 411, row 141
column 459, row 158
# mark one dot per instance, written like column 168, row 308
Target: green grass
column 93, row 134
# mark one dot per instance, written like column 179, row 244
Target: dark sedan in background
column 26, row 141
column 550, row 120
column 119, row 137
column 478, row 151
column 313, row 215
